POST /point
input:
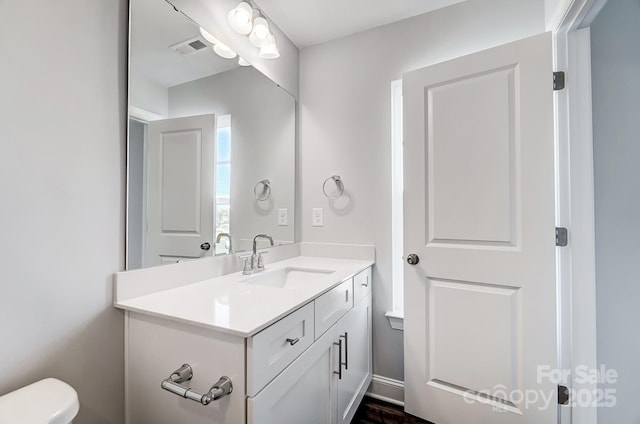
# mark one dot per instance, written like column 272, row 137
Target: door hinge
column 563, row 395
column 558, row 80
column 562, row 236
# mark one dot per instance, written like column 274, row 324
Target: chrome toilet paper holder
column 173, row 384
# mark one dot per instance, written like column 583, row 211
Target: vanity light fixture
column 225, row 51
column 259, row 36
column 269, row 51
column 241, row 18
column 207, row 36
column 243, row 62
column 219, row 47
column 246, row 20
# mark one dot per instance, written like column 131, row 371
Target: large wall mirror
column 211, row 145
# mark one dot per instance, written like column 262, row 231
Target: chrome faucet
column 228, row 236
column 254, row 263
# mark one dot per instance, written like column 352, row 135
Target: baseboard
column 387, row 390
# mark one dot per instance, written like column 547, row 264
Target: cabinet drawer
column 332, row 305
column 361, row 285
column 274, row 348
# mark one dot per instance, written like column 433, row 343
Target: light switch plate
column 317, row 217
column 283, row 216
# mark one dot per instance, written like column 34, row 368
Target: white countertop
column 228, row 305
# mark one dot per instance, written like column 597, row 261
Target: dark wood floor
column 373, row 411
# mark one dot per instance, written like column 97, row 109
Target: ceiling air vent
column 190, row 46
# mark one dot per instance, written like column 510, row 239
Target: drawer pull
column 173, row 384
column 293, row 341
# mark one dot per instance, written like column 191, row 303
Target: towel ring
column 263, row 194
column 339, row 185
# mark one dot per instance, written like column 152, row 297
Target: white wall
column 616, row 101
column 345, row 109
column 262, row 145
column 149, row 96
column 62, row 128
column 554, row 11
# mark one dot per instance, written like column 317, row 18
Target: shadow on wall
column 343, row 204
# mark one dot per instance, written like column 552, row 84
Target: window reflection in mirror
column 223, row 185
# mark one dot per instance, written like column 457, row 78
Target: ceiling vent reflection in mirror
column 190, row 46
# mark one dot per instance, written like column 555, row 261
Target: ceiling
column 310, row 22
column 155, row 26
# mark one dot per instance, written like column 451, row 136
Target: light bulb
column 241, row 17
column 259, row 36
column 270, row 51
column 223, row 50
column 210, row 38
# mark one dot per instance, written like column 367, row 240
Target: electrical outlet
column 317, row 217
column 283, row 216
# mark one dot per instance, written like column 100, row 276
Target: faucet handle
column 260, row 261
column 247, row 265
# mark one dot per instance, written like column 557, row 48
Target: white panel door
column 180, row 190
column 480, row 312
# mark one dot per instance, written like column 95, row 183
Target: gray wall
column 345, row 109
column 62, row 127
column 615, row 56
column 262, row 145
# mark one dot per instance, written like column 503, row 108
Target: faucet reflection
column 228, row 237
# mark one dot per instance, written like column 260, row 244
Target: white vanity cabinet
column 327, row 382
column 303, row 392
column 311, row 366
column 355, row 332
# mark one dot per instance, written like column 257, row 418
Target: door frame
column 575, row 199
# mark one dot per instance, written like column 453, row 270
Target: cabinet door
column 302, row 393
column 355, row 331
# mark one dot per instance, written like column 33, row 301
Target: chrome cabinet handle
column 346, row 350
column 293, row 341
column 339, row 372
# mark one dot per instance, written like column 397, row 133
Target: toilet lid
column 48, row 401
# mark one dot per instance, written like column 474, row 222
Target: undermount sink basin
column 287, row 278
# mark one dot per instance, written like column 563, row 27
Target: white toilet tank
column 47, row 401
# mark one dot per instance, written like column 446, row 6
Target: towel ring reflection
column 339, row 185
column 264, row 193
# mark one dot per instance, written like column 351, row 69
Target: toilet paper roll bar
column 173, row 384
